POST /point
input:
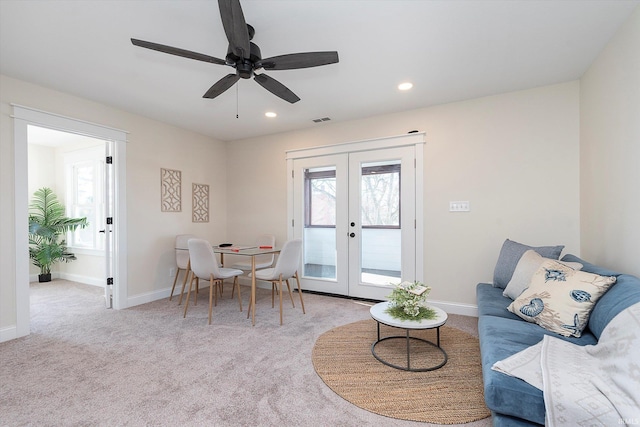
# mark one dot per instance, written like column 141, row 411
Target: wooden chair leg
column 215, row 294
column 273, row 290
column 290, row 294
column 236, row 284
column 211, row 292
column 195, row 296
column 300, row 292
column 186, row 305
column 175, row 279
column 187, row 274
column 280, row 285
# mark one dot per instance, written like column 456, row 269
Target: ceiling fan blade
column 177, row 51
column 221, row 85
column 235, row 27
column 299, row 60
column 276, row 88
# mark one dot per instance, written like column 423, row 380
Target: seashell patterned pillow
column 560, row 298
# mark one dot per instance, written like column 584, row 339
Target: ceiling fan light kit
column 245, row 56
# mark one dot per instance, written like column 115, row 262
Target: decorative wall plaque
column 171, row 193
column 200, row 203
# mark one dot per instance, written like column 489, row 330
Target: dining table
column 247, row 251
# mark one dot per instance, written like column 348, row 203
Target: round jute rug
column 452, row 394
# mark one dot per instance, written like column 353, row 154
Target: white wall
column 152, row 145
column 515, row 157
column 610, row 153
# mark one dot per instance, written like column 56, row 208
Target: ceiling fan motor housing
column 243, row 66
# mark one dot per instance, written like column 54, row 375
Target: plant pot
column 44, row 277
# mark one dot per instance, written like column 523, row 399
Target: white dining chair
column 204, row 265
column 286, row 268
column 182, row 262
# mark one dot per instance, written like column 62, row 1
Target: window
column 380, row 196
column 320, row 194
column 85, row 196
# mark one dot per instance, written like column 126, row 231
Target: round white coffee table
column 380, row 316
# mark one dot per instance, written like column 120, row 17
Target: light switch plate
column 459, row 206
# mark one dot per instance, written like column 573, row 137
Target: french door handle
column 352, row 234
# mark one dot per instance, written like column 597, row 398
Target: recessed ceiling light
column 270, row 114
column 405, row 86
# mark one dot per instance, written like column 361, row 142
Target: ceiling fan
column 245, row 57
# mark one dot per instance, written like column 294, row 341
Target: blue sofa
column 512, row 401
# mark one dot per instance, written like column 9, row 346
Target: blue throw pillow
column 511, row 253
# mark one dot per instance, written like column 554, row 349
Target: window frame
column 384, row 169
column 93, row 157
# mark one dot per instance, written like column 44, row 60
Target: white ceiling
column 450, row 50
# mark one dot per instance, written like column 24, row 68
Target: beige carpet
column 84, row 365
column 449, row 395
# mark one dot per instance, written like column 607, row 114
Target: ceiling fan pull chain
column 237, row 99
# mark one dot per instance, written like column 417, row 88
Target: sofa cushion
column 560, row 298
column 510, row 254
column 500, row 338
column 491, row 302
column 623, row 294
column 529, row 263
column 591, row 268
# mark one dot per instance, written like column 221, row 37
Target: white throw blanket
column 595, row 385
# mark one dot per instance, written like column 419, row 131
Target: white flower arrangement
column 407, row 301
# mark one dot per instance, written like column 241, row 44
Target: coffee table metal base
column 409, row 338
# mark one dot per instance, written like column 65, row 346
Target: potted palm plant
column 47, row 227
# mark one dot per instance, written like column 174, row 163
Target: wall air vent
column 324, row 119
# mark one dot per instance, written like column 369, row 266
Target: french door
column 356, row 214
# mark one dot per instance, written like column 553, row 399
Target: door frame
column 417, row 140
column 22, row 118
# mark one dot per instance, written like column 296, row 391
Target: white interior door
column 355, row 213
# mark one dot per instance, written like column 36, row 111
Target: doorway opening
column 115, row 242
column 73, row 167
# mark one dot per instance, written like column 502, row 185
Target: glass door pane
column 380, row 223
column 319, row 257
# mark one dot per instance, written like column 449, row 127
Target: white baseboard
column 448, row 306
column 8, row 333
column 456, row 308
column 148, row 297
column 93, row 281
